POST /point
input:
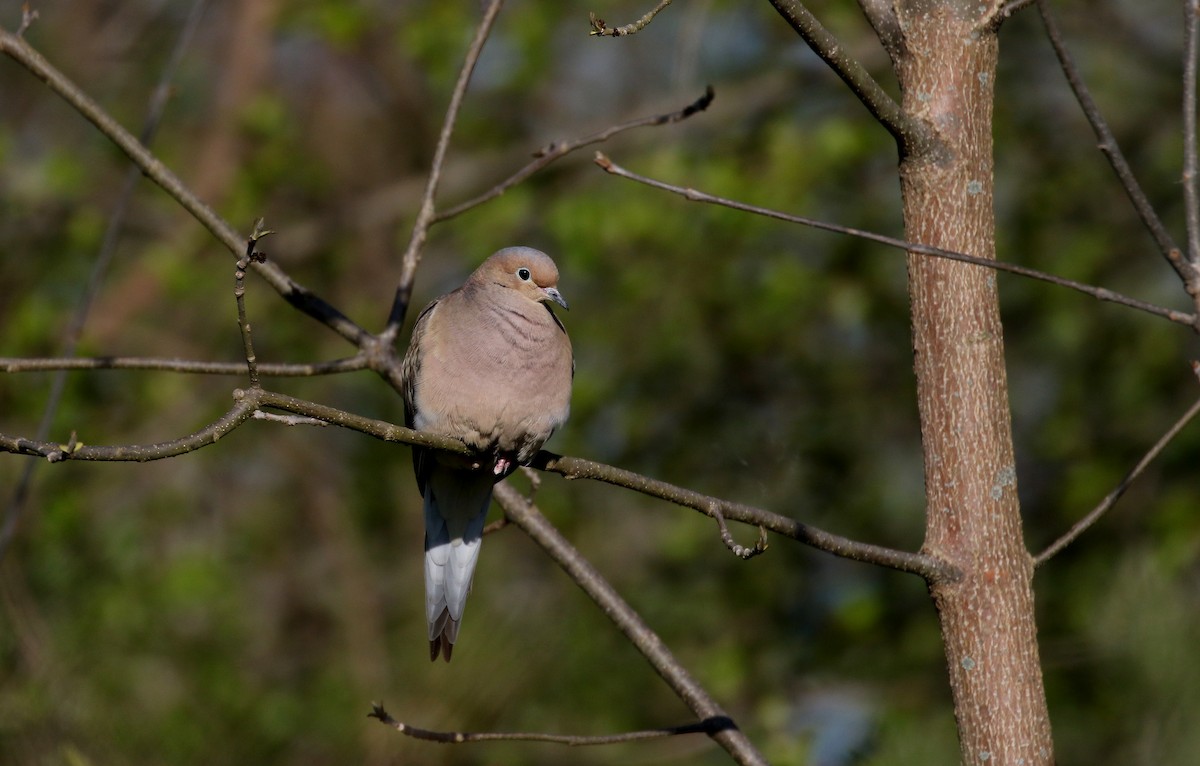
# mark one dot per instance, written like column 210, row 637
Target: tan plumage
column 491, row 365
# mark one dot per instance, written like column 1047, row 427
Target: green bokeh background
column 246, row 603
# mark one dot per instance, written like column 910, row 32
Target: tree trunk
column 946, row 66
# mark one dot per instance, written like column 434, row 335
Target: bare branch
column 242, row 411
column 602, row 29
column 525, row 515
column 1100, row 293
column 553, row 151
column 186, row 366
column 913, row 136
column 239, row 293
column 926, row 566
column 1191, row 10
column 420, row 231
column 28, row 16
column 1187, row 272
column 459, row 737
column 295, row 294
column 1111, row 498
column 288, row 420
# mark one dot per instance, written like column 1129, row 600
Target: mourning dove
column 488, row 364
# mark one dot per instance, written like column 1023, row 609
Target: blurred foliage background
column 246, row 603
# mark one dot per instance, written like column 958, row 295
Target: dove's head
column 530, row 272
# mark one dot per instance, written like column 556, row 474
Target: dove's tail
column 456, row 505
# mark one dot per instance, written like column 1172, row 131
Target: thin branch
column 186, row 366
column 295, row 294
column 913, row 136
column 928, row 567
column 557, row 149
column 580, row 570
column 108, row 246
column 1191, row 10
column 1100, row 293
column 1111, row 498
column 28, row 16
column 420, row 231
column 1187, row 272
column 709, row 726
column 288, row 420
column 603, row 30
column 239, row 293
column 242, row 410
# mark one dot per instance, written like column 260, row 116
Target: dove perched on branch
column 491, row 365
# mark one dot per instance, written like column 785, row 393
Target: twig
column 28, row 16
column 913, row 136
column 108, row 246
column 1111, row 498
column 1191, row 201
column 458, row 737
column 1187, row 272
column 601, row 29
column 580, row 570
column 496, row 526
column 1099, row 293
column 186, row 366
column 741, row 551
column 420, row 231
column 239, row 293
column 288, row 420
column 1008, row 9
column 557, row 149
column 295, row 294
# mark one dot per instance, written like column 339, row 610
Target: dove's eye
column 523, row 274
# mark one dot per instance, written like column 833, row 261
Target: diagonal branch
column 420, row 231
column 913, row 136
column 1188, row 273
column 1100, row 293
column 526, row 515
column 553, row 151
column 709, row 726
column 298, row 296
column 1111, row 498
